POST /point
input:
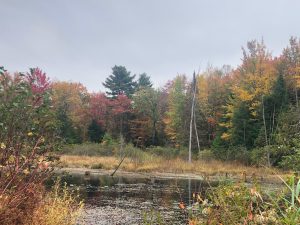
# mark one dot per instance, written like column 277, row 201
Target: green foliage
column 244, row 130
column 175, row 115
column 95, row 132
column 291, row 160
column 206, row 155
column 136, row 155
column 67, row 131
column 107, row 140
column 231, row 203
column 120, row 82
column 144, row 81
column 147, row 103
column 166, row 152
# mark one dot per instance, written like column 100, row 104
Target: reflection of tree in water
column 112, row 198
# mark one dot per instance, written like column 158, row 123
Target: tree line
column 249, row 113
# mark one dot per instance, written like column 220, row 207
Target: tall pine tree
column 120, row 82
column 144, row 81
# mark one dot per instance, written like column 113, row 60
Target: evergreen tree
column 274, row 105
column 120, row 82
column 67, row 131
column 95, row 132
column 144, row 81
column 244, row 130
column 279, row 94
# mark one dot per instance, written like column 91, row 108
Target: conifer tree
column 120, row 82
column 144, row 81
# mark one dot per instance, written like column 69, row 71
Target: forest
column 246, row 121
column 248, row 114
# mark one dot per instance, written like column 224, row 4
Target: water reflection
column 136, row 195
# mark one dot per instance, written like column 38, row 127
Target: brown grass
column 156, row 164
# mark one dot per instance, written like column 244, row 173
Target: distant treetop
column 120, row 82
column 144, row 81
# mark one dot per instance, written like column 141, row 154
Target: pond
column 133, row 200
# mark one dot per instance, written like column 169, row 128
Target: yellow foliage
column 202, row 87
column 72, row 97
column 59, row 207
column 225, row 136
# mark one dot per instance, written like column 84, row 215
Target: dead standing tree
column 193, row 118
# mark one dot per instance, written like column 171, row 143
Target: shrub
column 136, row 155
column 206, row 155
column 166, row 152
column 107, row 140
column 291, row 161
column 28, row 133
column 60, row 206
column 231, row 203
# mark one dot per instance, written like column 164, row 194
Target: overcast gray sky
column 80, row 40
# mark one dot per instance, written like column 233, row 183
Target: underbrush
column 59, row 206
column 238, row 204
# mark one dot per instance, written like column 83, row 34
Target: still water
column 129, row 200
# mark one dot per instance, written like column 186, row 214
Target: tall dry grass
column 61, row 206
column 157, row 164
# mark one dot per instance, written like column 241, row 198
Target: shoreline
column 266, row 179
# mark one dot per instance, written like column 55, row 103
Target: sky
column 81, row 40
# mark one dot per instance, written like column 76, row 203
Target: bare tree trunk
column 191, row 121
column 296, row 94
column 196, row 131
column 121, row 146
column 244, row 125
column 191, row 130
column 153, row 132
column 273, row 123
column 265, row 126
column 264, row 119
column 296, row 90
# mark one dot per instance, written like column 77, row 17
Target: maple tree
column 98, row 108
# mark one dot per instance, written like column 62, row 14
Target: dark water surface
column 129, row 200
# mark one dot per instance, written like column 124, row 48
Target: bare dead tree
column 192, row 117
